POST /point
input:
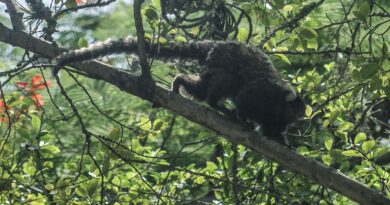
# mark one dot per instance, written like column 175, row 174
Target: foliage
column 116, row 148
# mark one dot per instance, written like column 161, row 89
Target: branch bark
column 141, row 39
column 206, row 117
column 15, row 15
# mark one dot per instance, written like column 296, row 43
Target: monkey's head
column 294, row 107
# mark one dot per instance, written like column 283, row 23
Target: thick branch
column 233, row 132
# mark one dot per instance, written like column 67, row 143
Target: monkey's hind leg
column 195, row 86
column 221, row 87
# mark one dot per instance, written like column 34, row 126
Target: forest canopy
column 110, row 131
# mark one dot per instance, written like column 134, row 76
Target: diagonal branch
column 292, row 22
column 206, row 117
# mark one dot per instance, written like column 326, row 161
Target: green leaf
column 181, row 39
column 314, row 153
column 242, row 34
column 81, row 191
column 302, row 150
column 369, row 70
column 308, row 111
column 333, row 116
column 200, row 180
column 82, row 43
column 328, row 143
column 29, row 168
column 284, row 58
column 23, row 133
column 51, row 148
column 381, row 151
column 342, row 135
column 344, row 166
column 115, row 133
column 288, row 8
column 308, row 32
column 92, row 187
column 49, row 187
column 157, row 125
column 106, row 165
column 386, row 65
column 360, row 137
column 327, row 159
column 116, row 181
column 355, row 75
column 385, row 49
column 36, row 123
column 368, row 145
column 345, row 126
column 330, row 66
column 363, row 12
column 375, row 83
column 312, row 43
column 211, row 166
column 151, row 13
column 351, row 153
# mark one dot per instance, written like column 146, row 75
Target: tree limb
column 206, row 117
column 141, row 39
column 15, row 14
column 292, row 22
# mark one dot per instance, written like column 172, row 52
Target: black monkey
column 246, row 75
column 237, row 71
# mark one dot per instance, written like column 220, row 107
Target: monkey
column 273, row 106
column 247, row 76
column 234, row 70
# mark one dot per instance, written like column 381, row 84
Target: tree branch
column 141, row 39
column 15, row 15
column 206, row 117
column 290, row 24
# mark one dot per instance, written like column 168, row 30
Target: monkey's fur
column 234, row 70
column 247, row 76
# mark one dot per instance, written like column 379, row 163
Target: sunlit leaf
column 360, row 137
column 352, row 153
column 368, row 145
column 327, row 159
column 328, row 143
column 36, row 123
column 288, row 8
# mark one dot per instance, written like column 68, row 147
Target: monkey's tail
column 97, row 50
column 193, row 50
column 193, row 85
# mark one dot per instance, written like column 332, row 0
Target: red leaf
column 35, row 80
column 21, row 84
column 38, row 100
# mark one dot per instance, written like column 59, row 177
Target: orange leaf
column 38, row 100
column 21, row 84
column 36, row 79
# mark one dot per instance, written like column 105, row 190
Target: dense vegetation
column 79, row 140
